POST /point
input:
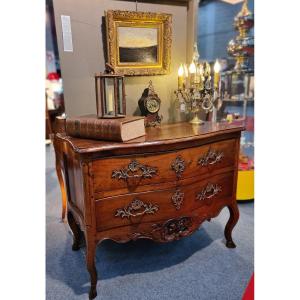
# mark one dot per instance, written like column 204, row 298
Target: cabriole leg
column 61, row 182
column 234, row 216
column 75, row 230
column 90, row 262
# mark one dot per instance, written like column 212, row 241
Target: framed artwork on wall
column 139, row 43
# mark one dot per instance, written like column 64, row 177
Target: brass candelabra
column 195, row 89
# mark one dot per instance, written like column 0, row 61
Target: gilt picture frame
column 139, row 43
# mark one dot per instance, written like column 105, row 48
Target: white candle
column 197, row 75
column 217, row 68
column 201, row 77
column 192, row 70
column 110, row 102
column 186, row 76
column 180, row 77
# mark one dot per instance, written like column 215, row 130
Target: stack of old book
column 118, row 129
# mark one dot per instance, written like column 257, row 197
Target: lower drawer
column 164, row 230
column 136, row 208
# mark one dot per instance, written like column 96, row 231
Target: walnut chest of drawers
column 160, row 187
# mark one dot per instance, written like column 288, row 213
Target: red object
column 249, row 292
column 53, row 76
column 246, row 166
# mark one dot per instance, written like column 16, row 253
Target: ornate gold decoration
column 178, row 166
column 134, row 170
column 242, row 47
column 136, row 208
column 210, row 191
column 116, row 18
column 210, row 158
column 177, row 199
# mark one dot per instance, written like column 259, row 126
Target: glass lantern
column 110, row 96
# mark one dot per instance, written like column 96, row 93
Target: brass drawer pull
column 210, row 158
column 210, row 191
column 136, row 208
column 134, row 170
column 178, row 166
column 177, row 199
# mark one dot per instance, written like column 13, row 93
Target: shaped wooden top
column 164, row 138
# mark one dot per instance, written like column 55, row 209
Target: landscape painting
column 138, row 45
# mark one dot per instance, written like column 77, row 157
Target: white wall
column 78, row 68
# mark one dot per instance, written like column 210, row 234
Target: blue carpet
column 196, row 267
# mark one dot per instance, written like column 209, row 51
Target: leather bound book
column 119, row 130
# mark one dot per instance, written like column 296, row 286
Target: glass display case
column 238, row 104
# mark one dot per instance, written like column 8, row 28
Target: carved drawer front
column 120, row 175
column 162, row 231
column 132, row 209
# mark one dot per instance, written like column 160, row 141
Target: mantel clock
column 149, row 105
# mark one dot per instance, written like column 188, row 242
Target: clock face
column 152, row 105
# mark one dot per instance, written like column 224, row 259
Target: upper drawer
column 130, row 173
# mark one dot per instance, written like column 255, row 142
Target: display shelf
column 239, row 107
